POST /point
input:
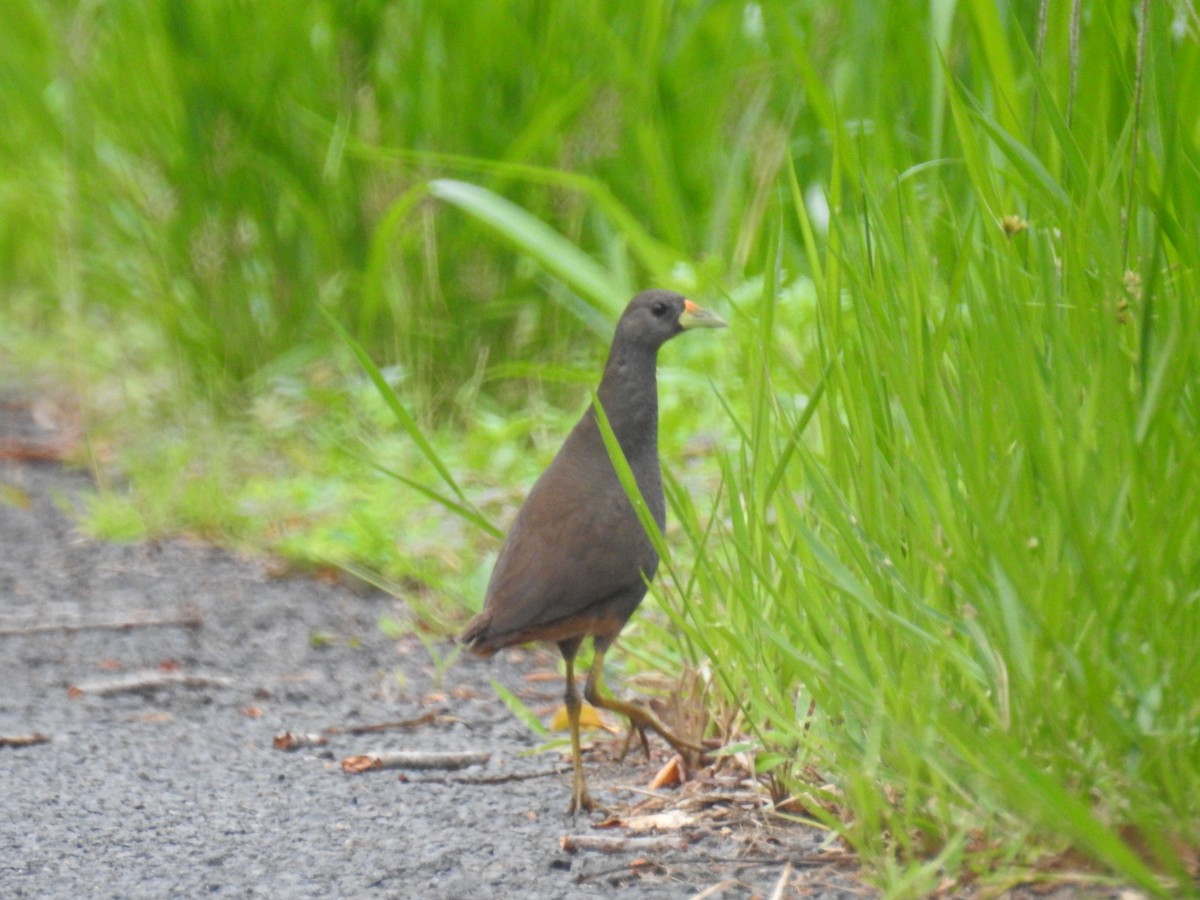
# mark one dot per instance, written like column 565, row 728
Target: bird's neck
column 629, row 394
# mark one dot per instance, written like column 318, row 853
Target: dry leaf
column 291, row 740
column 588, row 718
column 669, row 775
column 353, row 765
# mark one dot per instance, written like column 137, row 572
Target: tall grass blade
column 550, row 248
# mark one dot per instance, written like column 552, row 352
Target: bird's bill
column 694, row 316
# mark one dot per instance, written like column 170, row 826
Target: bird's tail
column 475, row 635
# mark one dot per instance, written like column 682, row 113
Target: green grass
column 933, row 495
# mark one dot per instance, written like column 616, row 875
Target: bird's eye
column 659, row 308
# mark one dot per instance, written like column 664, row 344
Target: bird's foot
column 640, row 731
column 581, row 801
column 641, row 718
column 691, row 754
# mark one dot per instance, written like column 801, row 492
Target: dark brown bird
column 577, row 560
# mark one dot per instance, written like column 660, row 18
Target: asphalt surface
column 175, row 788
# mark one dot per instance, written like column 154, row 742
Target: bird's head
column 654, row 317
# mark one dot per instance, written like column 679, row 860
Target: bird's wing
column 576, row 542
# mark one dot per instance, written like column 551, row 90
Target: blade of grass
column 543, row 243
column 402, row 415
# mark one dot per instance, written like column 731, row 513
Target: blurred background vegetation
column 936, row 550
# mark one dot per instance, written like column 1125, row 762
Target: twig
column 619, row 843
column 681, row 862
column 714, row 889
column 295, row 740
column 634, row 865
column 24, row 740
column 781, row 885
column 35, row 451
column 414, row 759
column 428, row 718
column 140, row 682
column 493, row 779
column 75, row 627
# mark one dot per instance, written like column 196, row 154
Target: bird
column 577, row 561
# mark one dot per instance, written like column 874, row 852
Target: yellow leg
column 639, row 717
column 580, row 799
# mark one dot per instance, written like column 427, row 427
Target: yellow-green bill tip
column 694, row 316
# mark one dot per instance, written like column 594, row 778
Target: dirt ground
column 144, row 688
column 161, row 674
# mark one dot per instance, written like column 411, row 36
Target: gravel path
column 176, row 790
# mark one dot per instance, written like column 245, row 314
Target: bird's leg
column 580, row 799
column 639, row 716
